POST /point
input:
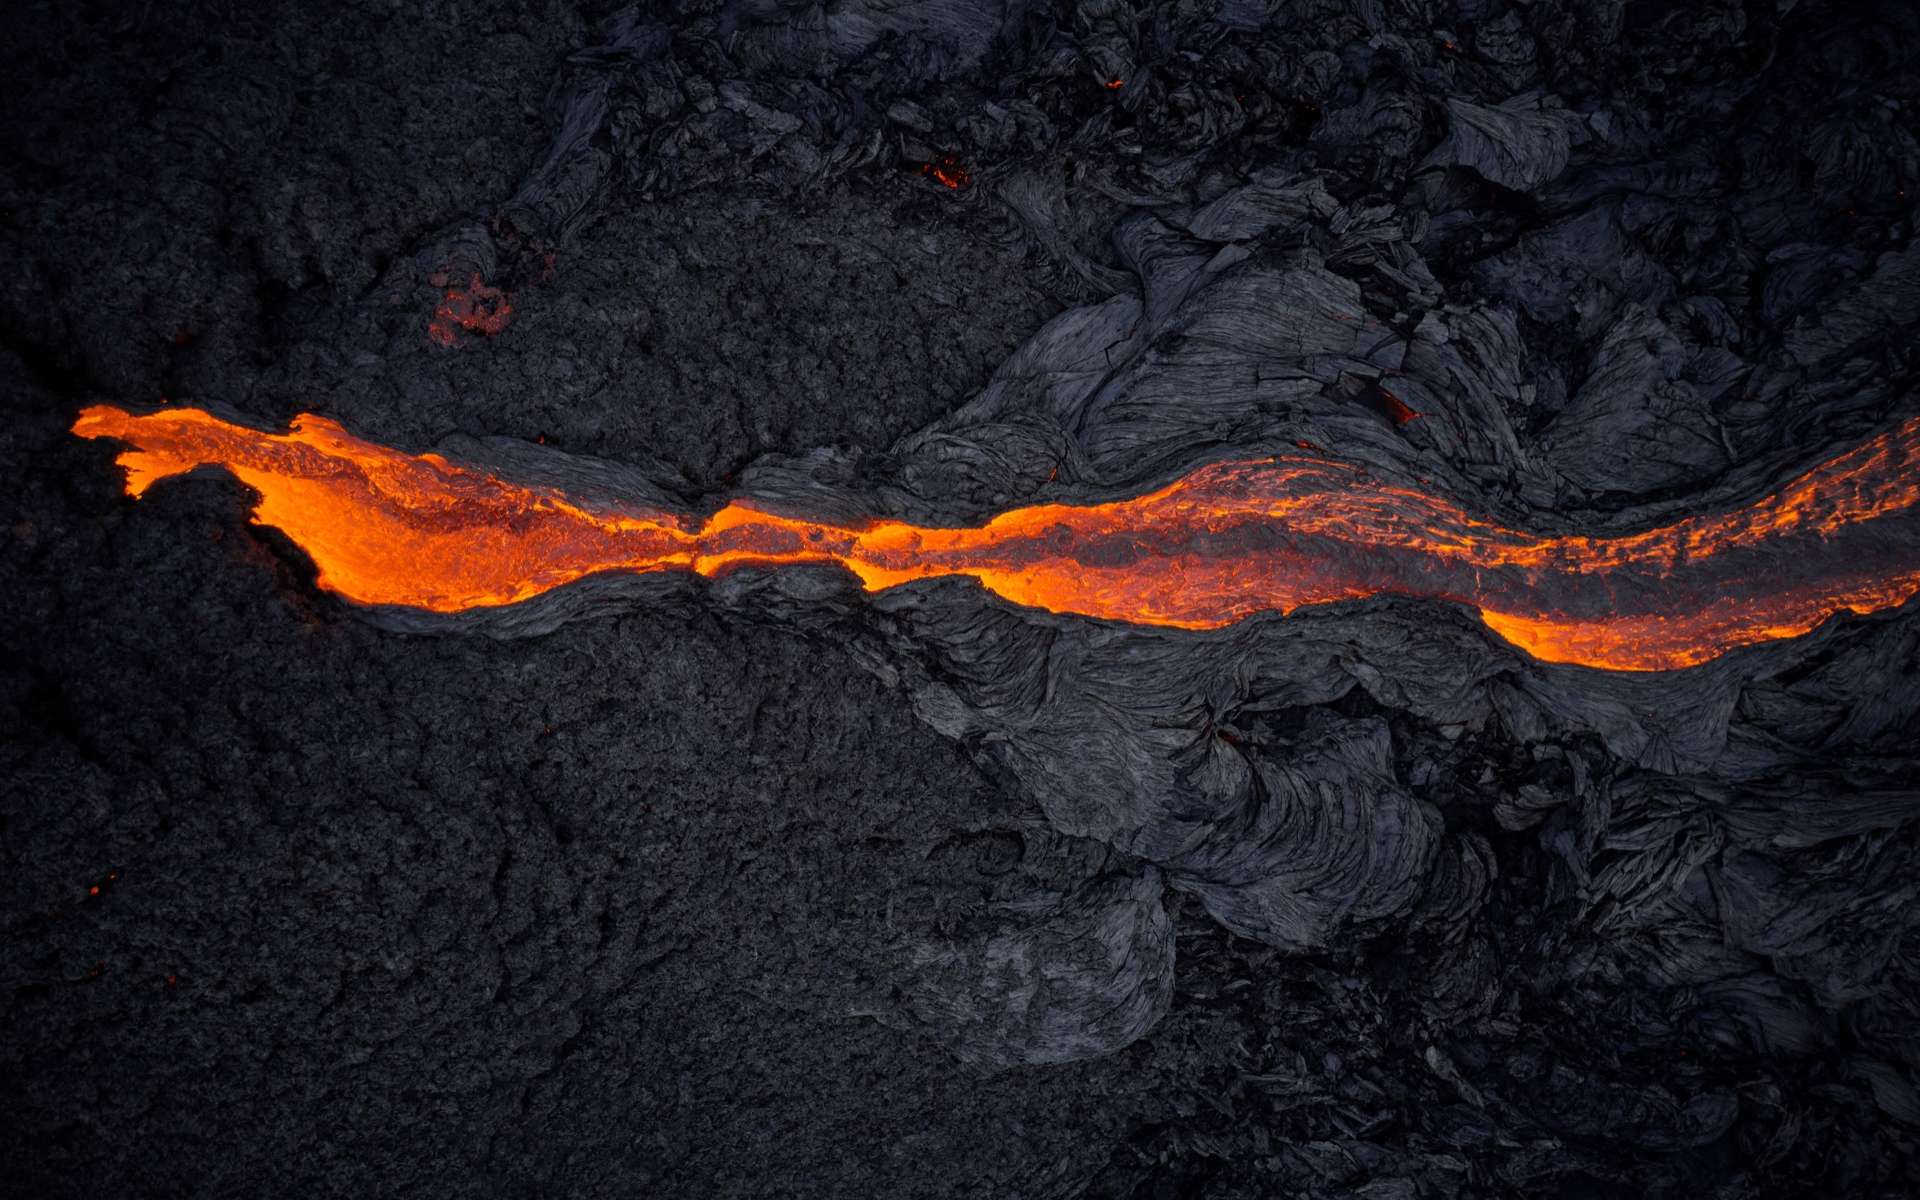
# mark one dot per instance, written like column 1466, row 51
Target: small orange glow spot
column 94, row 890
column 1395, row 408
column 1114, row 85
column 1227, row 541
column 475, row 308
column 946, row 170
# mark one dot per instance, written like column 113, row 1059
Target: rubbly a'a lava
column 1225, row 542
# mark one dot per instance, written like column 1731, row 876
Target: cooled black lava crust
column 702, row 898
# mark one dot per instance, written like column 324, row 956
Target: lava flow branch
column 1222, row 543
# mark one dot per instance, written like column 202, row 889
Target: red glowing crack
column 475, row 308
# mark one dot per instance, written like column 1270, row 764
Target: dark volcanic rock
column 764, row 887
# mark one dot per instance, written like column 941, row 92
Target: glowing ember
column 476, row 308
column 1223, row 543
column 947, row 171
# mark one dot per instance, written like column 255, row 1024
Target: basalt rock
column 590, row 892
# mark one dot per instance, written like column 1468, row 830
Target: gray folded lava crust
column 1450, row 824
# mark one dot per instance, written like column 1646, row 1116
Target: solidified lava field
column 1241, row 599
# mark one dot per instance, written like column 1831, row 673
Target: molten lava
column 1222, row 543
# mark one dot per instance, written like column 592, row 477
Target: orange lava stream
column 1222, row 543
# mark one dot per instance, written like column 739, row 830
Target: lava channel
column 1225, row 542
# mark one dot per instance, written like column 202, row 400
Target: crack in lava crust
column 1222, row 543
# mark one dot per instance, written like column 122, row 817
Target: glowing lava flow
column 1225, row 542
